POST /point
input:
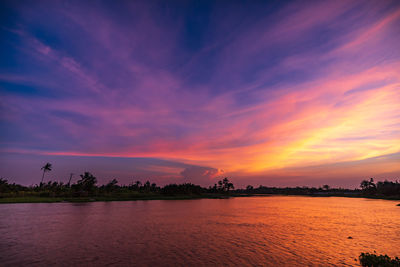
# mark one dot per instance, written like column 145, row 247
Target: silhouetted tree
column 388, row 188
column 112, row 185
column 368, row 187
column 87, row 182
column 213, row 189
column 227, row 185
column 137, row 185
column 46, row 168
column 374, row 260
column 153, row 187
column 220, row 186
column 3, row 181
column 326, row 187
column 249, row 188
column 182, row 189
column 4, row 185
column 146, row 186
column 224, row 185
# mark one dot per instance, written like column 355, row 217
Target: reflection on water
column 277, row 231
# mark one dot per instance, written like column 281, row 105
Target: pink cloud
column 127, row 87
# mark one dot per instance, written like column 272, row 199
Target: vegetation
column 86, row 189
column 46, row 168
column 313, row 191
column 223, row 186
column 382, row 190
column 385, row 188
column 373, row 260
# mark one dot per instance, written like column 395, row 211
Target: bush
column 372, row 260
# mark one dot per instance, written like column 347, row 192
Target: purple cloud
column 254, row 90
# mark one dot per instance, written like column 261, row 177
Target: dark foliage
column 111, row 186
column 326, row 190
column 87, row 186
column 87, row 183
column 385, row 188
column 6, row 187
column 46, row 168
column 223, row 186
column 368, row 187
column 182, row 189
column 388, row 188
column 372, row 260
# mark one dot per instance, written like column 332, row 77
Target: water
column 257, row 231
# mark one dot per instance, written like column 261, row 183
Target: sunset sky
column 276, row 93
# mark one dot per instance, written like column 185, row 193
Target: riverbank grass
column 36, row 199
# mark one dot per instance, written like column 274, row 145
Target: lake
column 252, row 231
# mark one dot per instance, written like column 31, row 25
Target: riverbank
column 35, row 199
column 38, row 199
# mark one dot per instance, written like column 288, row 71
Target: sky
column 274, row 93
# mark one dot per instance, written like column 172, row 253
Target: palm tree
column 45, row 168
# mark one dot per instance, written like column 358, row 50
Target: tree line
column 304, row 190
column 385, row 188
column 367, row 188
column 87, row 186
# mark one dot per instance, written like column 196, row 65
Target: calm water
column 258, row 231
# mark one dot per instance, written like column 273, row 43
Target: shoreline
column 35, row 199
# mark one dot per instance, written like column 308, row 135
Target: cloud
column 201, row 175
column 252, row 92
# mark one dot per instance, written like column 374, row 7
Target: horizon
column 273, row 94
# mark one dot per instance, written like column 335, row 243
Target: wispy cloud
column 253, row 93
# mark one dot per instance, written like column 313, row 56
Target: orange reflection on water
column 256, row 231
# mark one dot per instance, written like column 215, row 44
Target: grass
column 152, row 196
column 37, row 199
column 30, row 199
